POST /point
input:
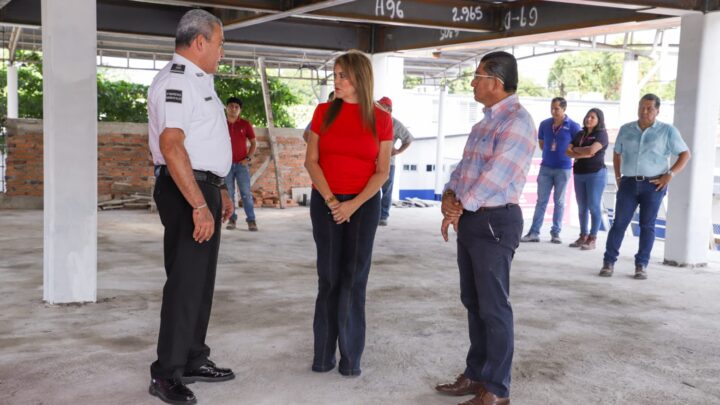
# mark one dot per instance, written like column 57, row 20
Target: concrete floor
column 580, row 339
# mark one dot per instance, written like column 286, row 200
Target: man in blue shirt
column 554, row 136
column 642, row 171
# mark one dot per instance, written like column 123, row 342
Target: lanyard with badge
column 555, row 130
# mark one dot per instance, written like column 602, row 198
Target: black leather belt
column 495, row 208
column 642, row 178
column 204, row 176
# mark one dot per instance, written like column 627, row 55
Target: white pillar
column 324, row 91
column 440, row 147
column 697, row 103
column 12, row 91
column 70, row 150
column 629, row 90
column 388, row 75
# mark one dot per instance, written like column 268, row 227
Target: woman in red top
column 348, row 159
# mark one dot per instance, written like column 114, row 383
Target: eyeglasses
column 489, row 76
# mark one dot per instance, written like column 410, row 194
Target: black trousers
column 188, row 292
column 486, row 245
column 344, row 253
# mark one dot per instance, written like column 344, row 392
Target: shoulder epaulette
column 177, row 68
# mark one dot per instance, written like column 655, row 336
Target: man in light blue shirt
column 642, row 171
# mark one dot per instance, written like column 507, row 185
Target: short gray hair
column 195, row 22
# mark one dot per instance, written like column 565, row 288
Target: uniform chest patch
column 208, row 98
column 173, row 96
column 177, row 68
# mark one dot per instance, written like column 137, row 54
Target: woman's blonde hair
column 359, row 70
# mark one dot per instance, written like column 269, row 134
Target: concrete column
column 388, row 75
column 324, row 91
column 697, row 104
column 388, row 72
column 70, row 150
column 12, row 91
column 629, row 90
column 440, row 147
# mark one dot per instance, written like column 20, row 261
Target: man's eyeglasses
column 492, row 77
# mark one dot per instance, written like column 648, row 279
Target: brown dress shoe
column 487, row 398
column 461, row 386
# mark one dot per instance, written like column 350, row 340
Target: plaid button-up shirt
column 496, row 158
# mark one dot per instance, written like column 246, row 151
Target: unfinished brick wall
column 124, row 157
column 291, row 150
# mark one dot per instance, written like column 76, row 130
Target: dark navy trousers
column 190, row 269
column 344, row 253
column 486, row 245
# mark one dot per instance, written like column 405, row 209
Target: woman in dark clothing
column 348, row 159
column 590, row 175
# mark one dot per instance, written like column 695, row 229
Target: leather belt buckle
column 639, row 178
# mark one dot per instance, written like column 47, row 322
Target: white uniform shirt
column 183, row 96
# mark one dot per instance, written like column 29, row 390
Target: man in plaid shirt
column 481, row 203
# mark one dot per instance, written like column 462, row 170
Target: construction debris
column 134, row 201
column 413, row 202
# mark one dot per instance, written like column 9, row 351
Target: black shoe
column 172, row 391
column 208, row 372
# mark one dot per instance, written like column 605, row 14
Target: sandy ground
column 580, row 339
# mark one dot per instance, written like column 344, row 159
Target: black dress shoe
column 172, row 391
column 208, row 372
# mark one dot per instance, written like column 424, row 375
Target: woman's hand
column 342, row 211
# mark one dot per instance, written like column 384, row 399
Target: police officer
column 190, row 145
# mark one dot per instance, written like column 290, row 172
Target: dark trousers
column 486, row 245
column 344, row 253
column 188, row 291
column 630, row 195
column 387, row 190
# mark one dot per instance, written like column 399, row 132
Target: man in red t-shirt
column 240, row 132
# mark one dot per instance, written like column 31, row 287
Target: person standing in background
column 401, row 133
column 589, row 175
column 241, row 131
column 554, row 136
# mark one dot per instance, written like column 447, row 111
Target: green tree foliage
column 121, row 101
column 410, row 82
column 663, row 89
column 587, row 72
column 246, row 85
column 530, row 88
column 29, row 86
column 126, row 102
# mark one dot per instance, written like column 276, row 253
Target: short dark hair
column 561, row 100
column 235, row 100
column 504, row 66
column 651, row 97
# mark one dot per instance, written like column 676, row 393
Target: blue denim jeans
column 239, row 173
column 387, row 189
column 344, row 254
column 589, row 188
column 486, row 243
column 630, row 195
column 547, row 180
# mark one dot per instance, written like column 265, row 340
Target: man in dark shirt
column 240, row 132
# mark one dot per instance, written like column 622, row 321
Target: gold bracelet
column 200, row 207
column 330, row 199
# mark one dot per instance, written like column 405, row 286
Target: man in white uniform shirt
column 190, row 145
